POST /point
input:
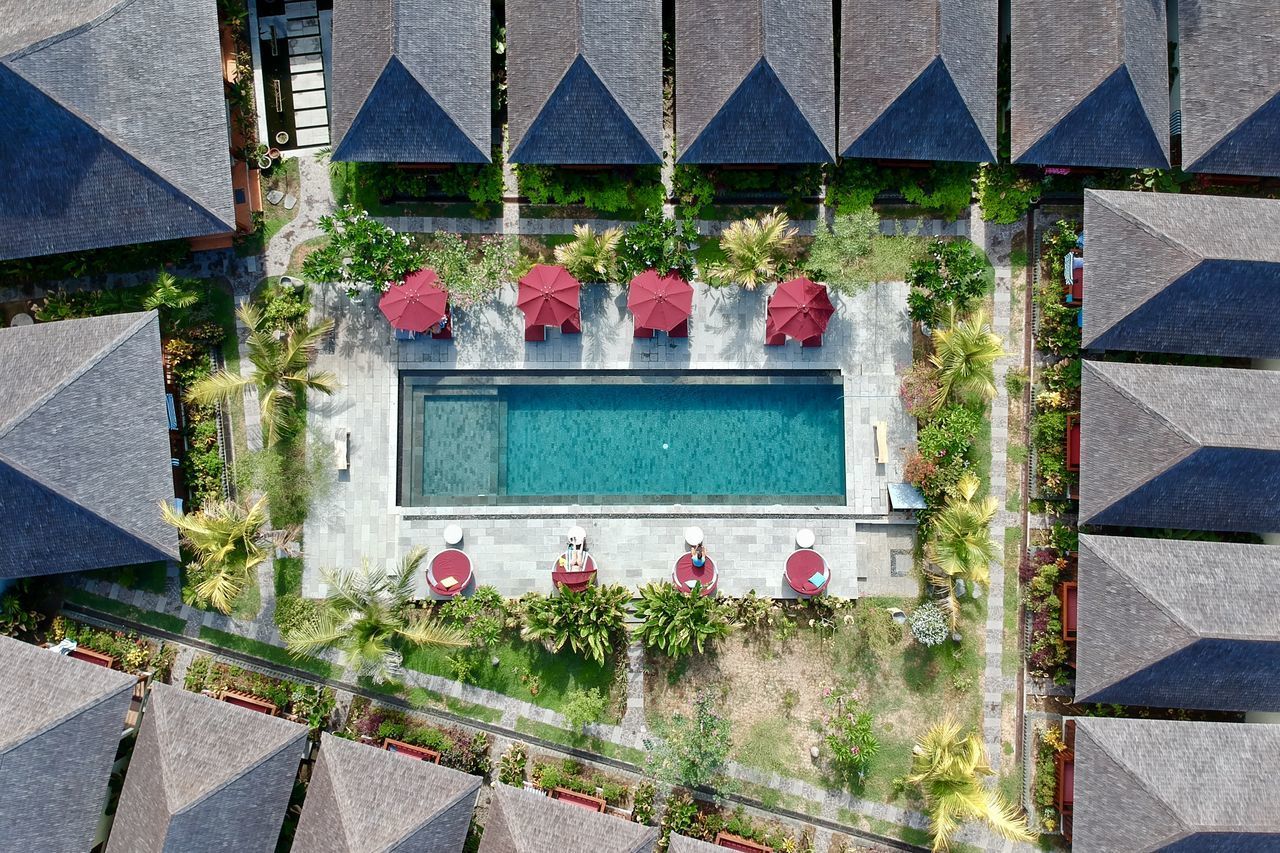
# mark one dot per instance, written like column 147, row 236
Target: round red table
column 685, row 574
column 449, row 565
column 802, row 566
column 575, row 580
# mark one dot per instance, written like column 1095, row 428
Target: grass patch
column 709, row 252
column 564, row 737
column 421, row 697
column 525, row 671
column 288, row 576
column 249, row 602
column 163, row 621
column 772, row 798
column 1011, row 660
column 980, row 454
column 268, row 652
column 285, row 178
column 224, row 309
column 301, row 251
column 148, row 577
column 890, row 257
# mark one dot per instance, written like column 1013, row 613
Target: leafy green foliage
column 588, row 622
column 874, row 633
column 293, row 612
column 838, row 249
column 583, row 707
column 591, row 256
column 960, row 545
column 677, row 623
column 294, row 478
column 953, row 273
column 943, row 188
column 482, row 616
column 511, row 765
column 1006, row 193
column 756, row 251
column 849, row 737
column 665, row 245
column 695, row 187
column 964, row 355
column 479, row 183
column 604, row 190
column 1059, row 330
column 928, row 624
column 471, row 272
column 362, row 253
column 693, row 749
column 226, row 544
column 116, row 259
column 133, row 654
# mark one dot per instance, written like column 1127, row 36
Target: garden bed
column 707, row 822
column 720, row 192
column 571, row 193
column 302, row 703
column 462, row 191
column 461, row 750
column 133, row 654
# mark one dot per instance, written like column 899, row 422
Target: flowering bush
column 461, row 750
column 952, row 274
column 1044, row 787
column 928, row 624
column 849, row 736
column 362, row 253
column 919, row 387
column 1047, row 651
column 471, row 273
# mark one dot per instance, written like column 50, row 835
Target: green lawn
column 148, row 577
column 1010, row 660
column 163, row 621
column 421, row 697
column 521, row 666
column 288, row 576
column 268, row 652
column 564, row 737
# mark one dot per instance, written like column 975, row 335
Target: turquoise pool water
column 635, row 439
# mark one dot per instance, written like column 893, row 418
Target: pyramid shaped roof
column 755, row 82
column 933, row 96
column 362, row 798
column 524, row 821
column 1090, row 83
column 411, row 81
column 584, row 82
column 116, row 127
column 84, row 445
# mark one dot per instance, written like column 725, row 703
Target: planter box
column 586, row 801
column 736, row 842
column 407, row 749
column 245, row 700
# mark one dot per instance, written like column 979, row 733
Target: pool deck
column 867, row 547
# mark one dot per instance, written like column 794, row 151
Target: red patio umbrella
column 417, row 304
column 660, row 301
column 799, row 308
column 548, row 296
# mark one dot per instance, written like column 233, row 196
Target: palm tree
column 960, row 545
column 169, row 293
column 227, row 542
column 366, row 614
column 948, row 764
column 965, row 355
column 591, row 256
column 755, row 251
column 281, row 372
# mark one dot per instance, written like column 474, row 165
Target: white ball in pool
column 665, row 446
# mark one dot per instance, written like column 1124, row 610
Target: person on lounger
column 698, row 554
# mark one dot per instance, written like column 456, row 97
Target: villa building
column 933, row 97
column 116, row 126
column 523, row 821
column 584, row 82
column 85, row 455
column 1090, row 83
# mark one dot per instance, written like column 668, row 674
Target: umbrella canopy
column 660, row 301
column 417, row 304
column 548, row 296
column 800, row 309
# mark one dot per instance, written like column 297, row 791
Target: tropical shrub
column 695, row 187
column 227, row 543
column 945, row 188
column 294, row 612
column 17, row 618
column 93, row 262
column 642, row 802
column 756, row 251
column 1005, row 193
column 134, row 654
column 603, row 190
column 952, row 274
column 471, row 273
column 665, row 245
column 928, row 624
column 588, row 622
column 293, row 476
column 591, row 256
column 960, row 546
column 919, row 388
column 1059, row 328
column 362, row 253
column 849, row 736
column 838, row 250
column 947, row 437
column 964, row 354
column 874, row 634
column 458, row 748
column 482, row 617
column 480, row 183
column 512, row 764
column 693, row 749
column 677, row 623
column 1047, row 652
column 1044, row 785
column 1049, row 438
column 583, row 707
column 692, row 188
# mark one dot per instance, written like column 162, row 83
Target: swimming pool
column 615, row 438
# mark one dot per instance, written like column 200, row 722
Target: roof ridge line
column 71, row 714
column 425, row 88
column 1057, row 120
column 603, row 82
column 240, row 775
column 36, row 47
column 80, row 371
column 1149, row 228
column 470, row 789
column 144, row 538
column 1133, row 774
column 1217, row 141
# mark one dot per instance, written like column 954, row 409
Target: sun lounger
column 341, row 448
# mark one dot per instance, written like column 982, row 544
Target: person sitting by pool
column 571, row 559
column 698, row 554
column 440, row 325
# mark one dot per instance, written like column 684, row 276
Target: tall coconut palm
column 948, row 764
column 965, row 354
column 591, row 256
column 227, row 542
column 281, row 372
column 960, row 546
column 365, row 615
column 755, row 251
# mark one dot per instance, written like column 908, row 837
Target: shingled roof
column 366, row 800
column 1090, row 83
column 1170, row 623
column 933, row 96
column 411, row 81
column 115, row 125
column 755, row 82
column 584, row 82
column 1178, row 273
column 1230, row 81
column 1192, row 448
column 1164, row 785
column 206, row 775
column 681, row 844
column 523, row 821
column 62, row 724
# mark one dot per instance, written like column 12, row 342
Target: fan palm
column 591, row 256
column 965, row 355
column 281, row 372
column 170, row 293
column 948, row 764
column 960, row 545
column 755, row 251
column 227, row 542
column 366, row 615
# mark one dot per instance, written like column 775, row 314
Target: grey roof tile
column 125, row 108
column 1158, row 784
column 523, row 821
column 366, row 799
column 1229, row 54
column 84, row 447
column 63, row 719
column 1171, row 623
column 206, row 776
column 933, row 97
column 682, row 844
column 1182, row 274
